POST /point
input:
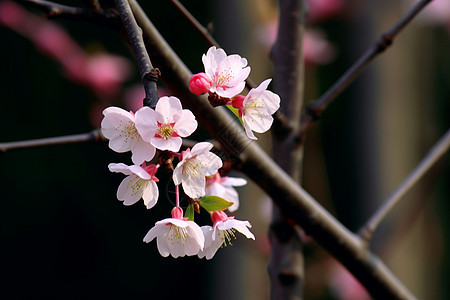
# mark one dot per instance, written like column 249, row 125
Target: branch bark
column 293, row 201
column 286, row 265
column 149, row 74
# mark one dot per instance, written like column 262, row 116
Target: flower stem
column 177, row 196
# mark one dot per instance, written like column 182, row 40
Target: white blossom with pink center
column 176, row 236
column 227, row 74
column 195, row 164
column 256, row 109
column 222, row 233
column 223, row 187
column 140, row 183
column 166, row 125
column 119, row 127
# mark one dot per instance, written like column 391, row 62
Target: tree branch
column 293, row 201
column 286, row 264
column 54, row 10
column 93, row 136
column 315, row 109
column 149, row 74
column 433, row 155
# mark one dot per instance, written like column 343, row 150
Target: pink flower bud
column 177, row 213
column 199, row 84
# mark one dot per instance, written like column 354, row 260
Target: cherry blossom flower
column 140, row 183
column 226, row 74
column 119, row 127
column 222, row 233
column 176, row 236
column 195, row 164
column 223, row 187
column 256, row 109
column 164, row 126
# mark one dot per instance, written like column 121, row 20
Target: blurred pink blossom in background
column 102, row 73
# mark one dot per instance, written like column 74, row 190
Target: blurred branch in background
column 434, row 154
column 314, row 110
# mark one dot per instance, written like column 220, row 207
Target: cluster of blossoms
column 223, row 80
column 154, row 137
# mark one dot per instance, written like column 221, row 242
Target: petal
column 157, row 230
column 200, row 148
column 186, row 125
column 230, row 92
column 170, row 109
column 150, row 195
column 211, row 163
column 120, row 168
column 163, row 247
column 194, row 186
column 233, row 181
column 178, row 173
column 131, row 189
column 173, row 144
column 248, row 130
column 114, row 117
column 178, row 222
column 196, row 233
column 212, row 59
column 231, row 195
column 146, row 123
column 240, row 226
column 142, row 151
column 139, row 171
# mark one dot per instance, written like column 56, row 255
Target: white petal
column 131, row 189
column 150, row 195
column 194, row 186
column 142, row 151
column 178, row 173
column 211, row 163
column 163, row 247
column 157, row 230
column 146, row 123
column 173, row 144
column 186, row 125
column 211, row 246
column 114, row 117
column 230, row 92
column 248, row 130
column 200, row 148
column 240, row 226
column 120, row 168
column 233, row 181
column 170, row 109
column 139, row 171
column 196, row 233
column 231, row 195
column 211, row 60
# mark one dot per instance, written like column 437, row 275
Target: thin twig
column 93, row 136
column 149, row 74
column 293, row 201
column 54, row 10
column 281, row 123
column 315, row 109
column 433, row 155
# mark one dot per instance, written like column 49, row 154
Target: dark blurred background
column 64, row 235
